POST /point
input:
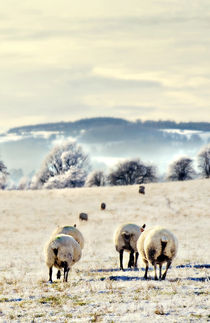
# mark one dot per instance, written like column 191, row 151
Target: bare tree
column 204, row 161
column 132, row 172
column 65, row 166
column 3, row 175
column 96, row 178
column 181, row 170
column 147, row 176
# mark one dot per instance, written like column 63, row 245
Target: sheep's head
column 143, row 227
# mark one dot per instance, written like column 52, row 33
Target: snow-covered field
column 97, row 290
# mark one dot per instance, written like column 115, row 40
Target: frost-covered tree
column 24, row 183
column 181, row 170
column 15, row 174
column 204, row 161
column 96, row 178
column 3, row 175
column 74, row 177
column 132, row 172
column 65, row 166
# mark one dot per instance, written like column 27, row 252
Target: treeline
column 67, row 166
column 196, row 126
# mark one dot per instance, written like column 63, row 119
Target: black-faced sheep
column 62, row 252
column 125, row 238
column 156, row 246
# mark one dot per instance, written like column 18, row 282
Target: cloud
column 97, row 83
column 103, row 58
column 44, row 26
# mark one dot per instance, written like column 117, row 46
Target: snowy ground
column 97, row 290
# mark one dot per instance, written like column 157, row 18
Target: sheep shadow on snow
column 122, row 278
column 107, row 270
column 194, row 266
column 131, row 278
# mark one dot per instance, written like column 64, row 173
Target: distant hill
column 74, row 126
column 113, row 122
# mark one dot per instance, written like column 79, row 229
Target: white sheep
column 125, row 238
column 156, row 246
column 71, row 231
column 62, row 251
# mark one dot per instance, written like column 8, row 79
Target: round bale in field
column 142, row 189
column 103, row 206
column 83, row 216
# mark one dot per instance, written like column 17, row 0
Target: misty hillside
column 106, row 140
column 113, row 122
column 97, row 291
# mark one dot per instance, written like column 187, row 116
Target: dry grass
column 97, row 291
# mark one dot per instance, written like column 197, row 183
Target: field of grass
column 97, row 291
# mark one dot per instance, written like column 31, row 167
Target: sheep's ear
column 75, row 225
column 143, row 227
column 55, row 251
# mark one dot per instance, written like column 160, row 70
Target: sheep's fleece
column 152, row 239
column 71, row 231
column 128, row 228
column 68, row 250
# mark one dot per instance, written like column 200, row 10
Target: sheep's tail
column 164, row 241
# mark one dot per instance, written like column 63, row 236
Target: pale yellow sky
column 66, row 60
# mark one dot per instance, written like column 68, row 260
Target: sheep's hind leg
column 146, row 270
column 66, row 272
column 136, row 259
column 160, row 271
column 50, row 274
column 155, row 269
column 131, row 260
column 58, row 274
column 167, row 267
column 121, row 259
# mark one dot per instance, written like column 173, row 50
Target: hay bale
column 142, row 189
column 103, row 206
column 83, row 216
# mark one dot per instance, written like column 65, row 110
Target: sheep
column 83, row 216
column 156, row 246
column 62, row 251
column 71, row 231
column 125, row 238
